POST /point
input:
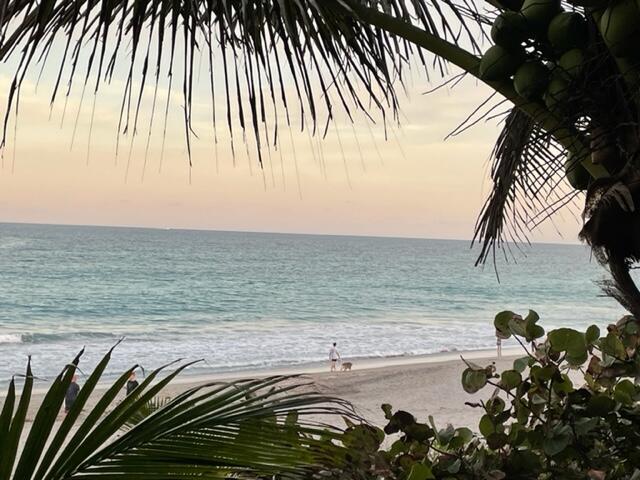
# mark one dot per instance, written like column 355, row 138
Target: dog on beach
column 346, row 366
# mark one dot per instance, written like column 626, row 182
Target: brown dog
column 346, row 366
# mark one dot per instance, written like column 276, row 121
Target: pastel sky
column 412, row 184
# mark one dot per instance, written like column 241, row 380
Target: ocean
column 259, row 300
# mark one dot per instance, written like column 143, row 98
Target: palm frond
column 321, row 48
column 528, row 185
column 265, row 427
column 597, row 111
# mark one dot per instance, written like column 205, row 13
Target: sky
column 354, row 181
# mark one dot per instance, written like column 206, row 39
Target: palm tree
column 578, row 111
column 246, row 429
column 570, row 80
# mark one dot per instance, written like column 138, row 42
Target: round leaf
column 473, row 380
column 592, row 334
column 510, row 379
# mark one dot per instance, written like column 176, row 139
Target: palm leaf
column 11, row 443
column 528, row 185
column 216, row 430
column 323, row 47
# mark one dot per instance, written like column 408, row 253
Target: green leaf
column 420, row 471
column 611, row 345
column 521, row 364
column 631, row 327
column 211, row 431
column 455, row 465
column 71, row 417
column 495, row 405
column 420, row 432
column 10, row 443
column 473, row 380
column 544, row 374
column 570, row 341
column 398, row 447
column 446, row 434
column 565, row 339
column 532, row 317
column 517, row 434
column 563, row 386
column 501, row 322
column 5, row 418
column 600, row 405
column 365, row 438
column 592, row 335
column 496, row 441
column 486, row 426
column 560, row 439
column 584, row 425
column 524, row 462
column 532, row 331
column 465, row 433
column 518, row 326
column 625, row 392
column 510, row 379
column 44, row 420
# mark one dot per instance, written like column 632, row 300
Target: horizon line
column 269, row 232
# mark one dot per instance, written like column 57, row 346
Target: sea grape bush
column 568, row 409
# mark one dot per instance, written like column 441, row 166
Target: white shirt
column 333, row 353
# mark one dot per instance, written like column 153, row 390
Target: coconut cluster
column 541, row 49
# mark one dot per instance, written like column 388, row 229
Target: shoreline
column 365, row 364
column 359, row 364
column 423, row 385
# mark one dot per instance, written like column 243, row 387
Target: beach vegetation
column 569, row 408
column 243, row 429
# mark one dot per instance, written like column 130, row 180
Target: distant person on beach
column 132, row 383
column 334, row 356
column 72, row 394
column 499, row 338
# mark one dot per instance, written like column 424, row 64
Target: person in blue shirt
column 72, row 394
column 132, row 383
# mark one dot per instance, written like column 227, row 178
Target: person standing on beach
column 72, row 394
column 132, row 383
column 333, row 356
column 499, row 338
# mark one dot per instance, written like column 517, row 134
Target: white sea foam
column 10, row 338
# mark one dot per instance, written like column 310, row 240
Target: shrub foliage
column 567, row 409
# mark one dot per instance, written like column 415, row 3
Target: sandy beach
column 424, row 385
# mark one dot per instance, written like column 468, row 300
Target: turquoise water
column 252, row 300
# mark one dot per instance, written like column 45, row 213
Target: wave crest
column 10, row 338
column 13, row 338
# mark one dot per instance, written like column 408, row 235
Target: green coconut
column 509, row 30
column 567, row 30
column 499, row 63
column 595, row 4
column 571, row 63
column 557, row 93
column 514, row 5
column 531, row 80
column 578, row 176
column 538, row 13
column 620, row 27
